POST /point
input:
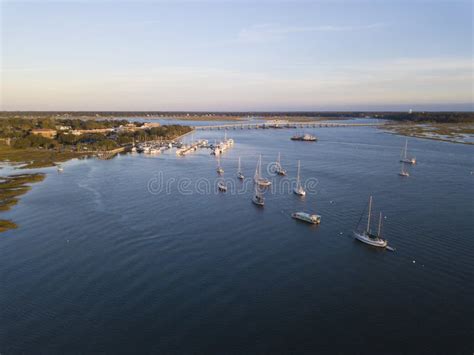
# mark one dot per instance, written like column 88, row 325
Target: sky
column 236, row 55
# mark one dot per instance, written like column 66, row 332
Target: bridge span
column 268, row 125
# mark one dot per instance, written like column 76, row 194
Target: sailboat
column 299, row 189
column 403, row 172
column 219, row 168
column 404, row 158
column 366, row 236
column 279, row 169
column 239, row 172
column 222, row 186
column 60, row 168
column 259, row 180
column 258, row 198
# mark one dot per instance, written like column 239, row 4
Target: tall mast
column 260, row 166
column 370, row 211
column 239, row 166
column 298, row 176
column 278, row 161
column 380, row 224
column 406, row 147
column 256, row 170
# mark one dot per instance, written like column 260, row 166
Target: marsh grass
column 10, row 188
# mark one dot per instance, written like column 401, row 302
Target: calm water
column 100, row 264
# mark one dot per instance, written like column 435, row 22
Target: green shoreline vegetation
column 416, row 116
column 462, row 133
column 44, row 141
column 11, row 187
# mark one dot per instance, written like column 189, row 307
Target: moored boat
column 279, row 169
column 367, row 236
column 258, row 179
column 221, row 186
column 219, row 169
column 403, row 171
column 404, row 155
column 258, row 198
column 306, row 217
column 239, row 172
column 299, row 190
column 304, row 137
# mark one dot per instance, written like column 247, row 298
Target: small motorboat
column 306, row 217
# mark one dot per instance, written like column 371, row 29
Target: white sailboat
column 299, row 188
column 222, row 186
column 259, row 180
column 279, row 168
column 366, row 236
column 239, row 172
column 258, row 198
column 404, row 157
column 403, row 171
column 219, row 168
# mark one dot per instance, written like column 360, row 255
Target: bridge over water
column 267, row 125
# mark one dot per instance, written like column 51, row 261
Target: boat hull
column 258, row 202
column 299, row 192
column 306, row 217
column 263, row 183
column 375, row 242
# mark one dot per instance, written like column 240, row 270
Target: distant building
column 129, row 127
column 150, row 124
column 63, row 128
column 45, row 132
column 410, row 111
column 6, row 141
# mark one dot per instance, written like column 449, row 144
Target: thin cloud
column 271, row 32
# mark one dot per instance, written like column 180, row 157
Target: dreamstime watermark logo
column 160, row 183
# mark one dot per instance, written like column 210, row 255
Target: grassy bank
column 11, row 187
column 36, row 158
column 447, row 132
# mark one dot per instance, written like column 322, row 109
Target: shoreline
column 450, row 133
column 11, row 188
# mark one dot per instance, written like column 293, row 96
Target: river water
column 140, row 254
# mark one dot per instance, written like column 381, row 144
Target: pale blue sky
column 236, row 55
